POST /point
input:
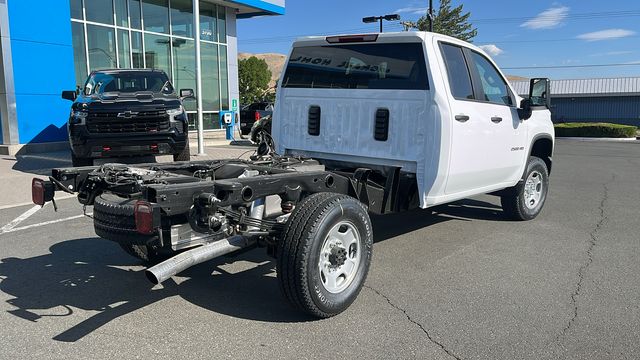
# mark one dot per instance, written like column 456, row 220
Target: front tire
column 525, row 200
column 184, row 155
column 325, row 254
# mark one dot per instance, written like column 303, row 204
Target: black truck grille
column 127, row 121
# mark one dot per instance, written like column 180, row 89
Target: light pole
column 372, row 19
column 430, row 15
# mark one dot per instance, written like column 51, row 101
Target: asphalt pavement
column 452, row 282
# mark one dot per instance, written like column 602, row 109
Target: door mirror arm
column 525, row 111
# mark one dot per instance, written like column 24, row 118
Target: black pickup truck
column 252, row 113
column 126, row 112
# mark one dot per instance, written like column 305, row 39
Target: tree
column 254, row 77
column 448, row 21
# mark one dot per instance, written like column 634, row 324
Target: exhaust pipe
column 189, row 258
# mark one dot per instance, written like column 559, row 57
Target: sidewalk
column 16, row 172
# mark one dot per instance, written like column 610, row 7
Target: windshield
column 128, row 82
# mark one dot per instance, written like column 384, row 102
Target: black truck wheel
column 525, row 200
column 79, row 161
column 324, row 255
column 184, row 155
column 113, row 219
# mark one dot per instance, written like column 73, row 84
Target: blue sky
column 516, row 33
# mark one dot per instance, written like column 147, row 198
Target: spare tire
column 113, row 219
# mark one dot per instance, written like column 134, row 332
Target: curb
column 588, row 139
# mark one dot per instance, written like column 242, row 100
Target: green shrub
column 604, row 130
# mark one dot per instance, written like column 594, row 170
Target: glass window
column 99, row 11
column 208, row 21
column 136, row 50
column 134, row 14
column 493, row 85
column 123, row 49
column 457, row 71
column 122, row 18
column 156, row 15
column 222, row 26
column 79, row 56
column 102, row 47
column 157, row 53
column 210, row 77
column 184, row 68
column 363, row 66
column 76, row 9
column 224, row 79
column 182, row 18
column 211, row 121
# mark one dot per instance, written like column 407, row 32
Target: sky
column 556, row 39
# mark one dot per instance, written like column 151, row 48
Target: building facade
column 47, row 46
column 612, row 100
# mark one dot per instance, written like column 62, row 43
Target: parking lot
column 452, row 282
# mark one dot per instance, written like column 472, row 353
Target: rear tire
column 184, row 155
column 79, row 161
column 325, row 253
column 525, row 200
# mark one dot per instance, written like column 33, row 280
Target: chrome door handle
column 462, row 118
column 496, row 119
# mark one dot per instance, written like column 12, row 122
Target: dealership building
column 47, row 46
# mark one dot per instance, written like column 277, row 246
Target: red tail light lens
column 143, row 213
column 37, row 191
column 257, row 115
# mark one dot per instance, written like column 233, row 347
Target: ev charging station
column 227, row 122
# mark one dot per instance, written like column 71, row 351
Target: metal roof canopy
column 625, row 86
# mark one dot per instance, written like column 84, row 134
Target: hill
column 274, row 61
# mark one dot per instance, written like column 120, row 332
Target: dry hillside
column 273, row 60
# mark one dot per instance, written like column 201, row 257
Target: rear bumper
column 95, row 145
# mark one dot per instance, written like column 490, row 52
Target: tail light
column 37, row 191
column 143, row 213
column 41, row 191
column 256, row 116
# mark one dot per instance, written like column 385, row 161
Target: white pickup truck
column 375, row 123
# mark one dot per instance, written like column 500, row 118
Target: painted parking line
column 25, row 215
column 46, row 223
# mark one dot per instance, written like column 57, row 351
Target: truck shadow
column 93, row 274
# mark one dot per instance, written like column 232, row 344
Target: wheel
column 324, row 255
column 78, row 161
column 184, row 155
column 525, row 200
column 143, row 252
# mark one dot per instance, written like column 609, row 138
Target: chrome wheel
column 339, row 257
column 533, row 190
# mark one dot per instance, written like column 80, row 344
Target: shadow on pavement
column 95, row 275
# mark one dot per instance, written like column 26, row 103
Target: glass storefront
column 155, row 34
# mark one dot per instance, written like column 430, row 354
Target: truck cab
column 437, row 107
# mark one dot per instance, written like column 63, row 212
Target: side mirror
column 525, row 111
column 187, row 94
column 69, row 95
column 540, row 92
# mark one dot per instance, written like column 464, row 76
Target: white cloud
column 608, row 34
column 491, row 49
column 611, row 53
column 415, row 10
column 547, row 19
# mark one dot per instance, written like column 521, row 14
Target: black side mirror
column 540, row 92
column 187, row 94
column 525, row 111
column 69, row 95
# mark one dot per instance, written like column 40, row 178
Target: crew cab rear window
column 457, row 71
column 361, row 66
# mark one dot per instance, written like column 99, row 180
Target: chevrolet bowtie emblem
column 127, row 114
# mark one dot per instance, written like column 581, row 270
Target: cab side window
column 457, row 72
column 494, row 87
